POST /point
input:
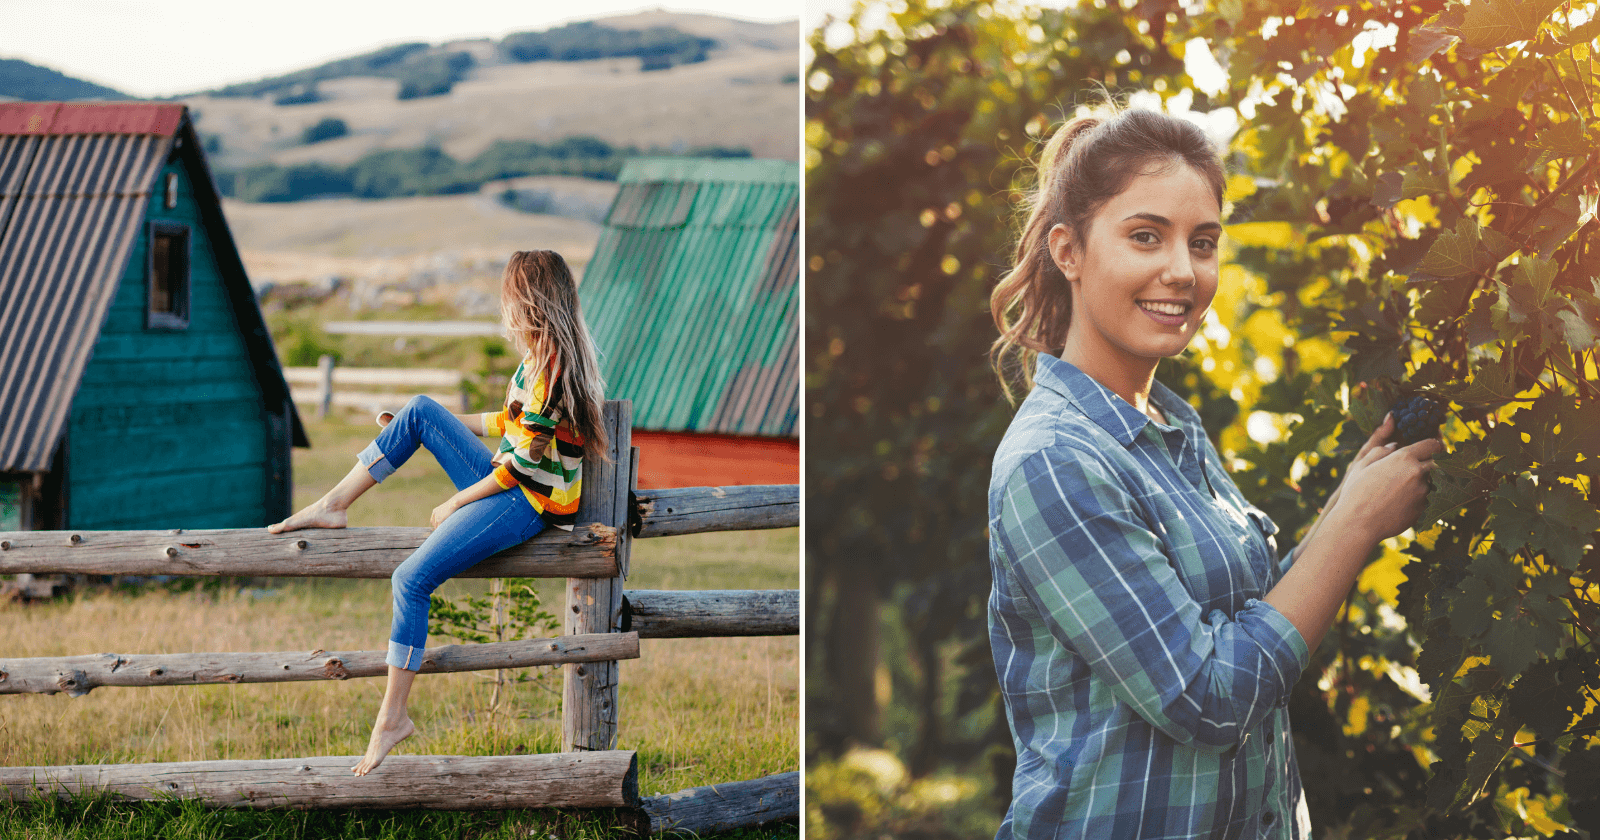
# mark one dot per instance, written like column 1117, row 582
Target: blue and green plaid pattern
column 1145, row 684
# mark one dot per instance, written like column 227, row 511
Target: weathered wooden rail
column 692, row 510
column 445, row 782
column 78, row 675
column 587, row 551
column 604, row 623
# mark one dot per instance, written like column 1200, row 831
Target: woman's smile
column 1172, row 313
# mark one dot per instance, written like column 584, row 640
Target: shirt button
column 1268, row 817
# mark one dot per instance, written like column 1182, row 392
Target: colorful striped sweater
column 539, row 450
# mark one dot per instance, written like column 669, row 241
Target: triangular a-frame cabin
column 138, row 383
column 692, row 296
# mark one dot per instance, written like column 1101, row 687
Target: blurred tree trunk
column 850, row 657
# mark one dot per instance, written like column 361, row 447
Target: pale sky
column 147, row 48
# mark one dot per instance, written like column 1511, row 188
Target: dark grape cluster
column 1417, row 417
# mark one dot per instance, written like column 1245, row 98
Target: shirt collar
column 1103, row 407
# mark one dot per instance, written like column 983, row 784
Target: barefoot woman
column 551, row 417
column 1145, row 632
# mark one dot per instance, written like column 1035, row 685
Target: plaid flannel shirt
column 1145, row 684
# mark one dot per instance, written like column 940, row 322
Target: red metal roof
column 60, row 118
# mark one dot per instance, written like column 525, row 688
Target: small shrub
column 326, row 129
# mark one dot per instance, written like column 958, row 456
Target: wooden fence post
column 594, row 605
column 324, row 386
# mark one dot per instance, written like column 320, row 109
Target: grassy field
column 698, row 711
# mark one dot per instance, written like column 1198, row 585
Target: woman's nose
column 1179, row 269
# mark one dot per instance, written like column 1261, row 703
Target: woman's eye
column 1204, row 245
column 1144, row 237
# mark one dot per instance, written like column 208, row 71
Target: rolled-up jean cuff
column 376, row 464
column 404, row 656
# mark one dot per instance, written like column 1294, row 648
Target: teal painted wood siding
column 169, row 428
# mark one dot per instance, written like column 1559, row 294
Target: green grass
column 697, row 711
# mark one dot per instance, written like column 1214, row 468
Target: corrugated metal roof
column 692, row 295
column 75, row 179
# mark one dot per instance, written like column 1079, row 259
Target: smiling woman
column 1145, row 629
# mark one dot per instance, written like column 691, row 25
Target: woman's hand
column 442, row 512
column 1386, row 486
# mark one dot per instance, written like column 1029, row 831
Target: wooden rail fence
column 604, row 623
column 328, row 385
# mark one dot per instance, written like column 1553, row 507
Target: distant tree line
column 657, row 48
column 392, row 173
column 30, row 82
column 423, row 70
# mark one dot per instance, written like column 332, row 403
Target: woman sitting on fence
column 551, row 419
column 1145, row 632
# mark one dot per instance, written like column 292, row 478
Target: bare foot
column 318, row 514
column 384, row 737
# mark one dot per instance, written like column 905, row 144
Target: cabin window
column 170, row 200
column 168, row 274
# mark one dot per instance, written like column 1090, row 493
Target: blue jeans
column 472, row 533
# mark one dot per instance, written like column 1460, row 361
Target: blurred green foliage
column 915, row 136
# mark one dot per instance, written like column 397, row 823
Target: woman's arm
column 1381, row 496
column 486, row 486
column 474, row 423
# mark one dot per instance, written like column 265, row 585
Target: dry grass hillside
column 744, row 94
column 403, row 251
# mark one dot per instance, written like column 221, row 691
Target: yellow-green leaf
column 1495, row 23
column 1455, row 252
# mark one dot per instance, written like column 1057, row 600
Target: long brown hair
column 1086, row 163
column 539, row 308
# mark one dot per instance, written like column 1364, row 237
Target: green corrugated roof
column 692, row 295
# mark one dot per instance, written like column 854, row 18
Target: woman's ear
column 1062, row 253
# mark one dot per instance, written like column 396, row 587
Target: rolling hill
column 21, row 80
column 744, row 93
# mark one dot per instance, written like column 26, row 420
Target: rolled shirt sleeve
column 1081, row 551
column 494, row 423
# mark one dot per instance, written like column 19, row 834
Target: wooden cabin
column 139, row 388
column 692, row 296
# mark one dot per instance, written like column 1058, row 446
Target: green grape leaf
column 1580, row 321
column 1456, row 252
column 1517, row 641
column 1582, row 33
column 1489, row 748
column 1498, row 244
column 1389, row 190
column 1314, row 429
column 1560, row 433
column 1563, row 139
column 1551, row 519
column 1539, row 275
column 1418, row 180
column 1424, row 42
column 1493, row 383
column 1459, row 478
column 1550, row 695
column 1473, row 608
column 1438, row 303
column 1479, row 323
column 1495, row 23
column 1441, row 656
